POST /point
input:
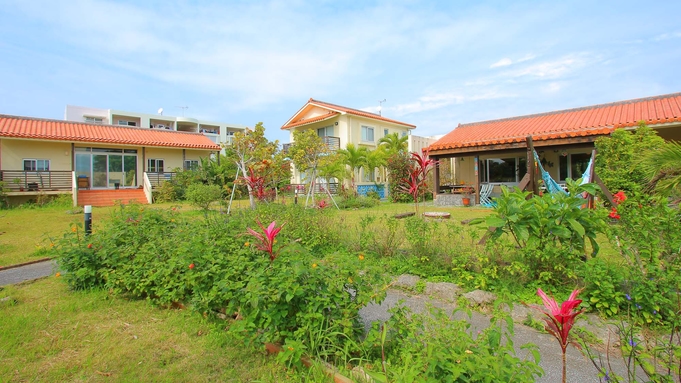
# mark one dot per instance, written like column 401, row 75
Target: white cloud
column 503, row 62
column 442, row 100
column 554, row 68
column 667, row 36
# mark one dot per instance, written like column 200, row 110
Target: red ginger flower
column 266, row 240
column 559, row 320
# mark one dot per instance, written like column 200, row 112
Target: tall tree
column 248, row 148
column 354, row 158
column 306, row 152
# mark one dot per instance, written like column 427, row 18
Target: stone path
column 27, row 272
column 580, row 369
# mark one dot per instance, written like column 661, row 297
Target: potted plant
column 17, row 181
column 468, row 193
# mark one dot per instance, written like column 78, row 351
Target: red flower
column 559, row 320
column 191, row 266
column 89, row 246
column 619, row 197
column 613, row 213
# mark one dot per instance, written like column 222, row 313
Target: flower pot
column 466, row 201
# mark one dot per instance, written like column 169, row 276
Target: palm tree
column 375, row 159
column 663, row 167
column 355, row 158
column 332, row 166
column 393, row 143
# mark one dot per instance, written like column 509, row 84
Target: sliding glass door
column 107, row 168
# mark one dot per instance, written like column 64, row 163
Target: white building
column 218, row 132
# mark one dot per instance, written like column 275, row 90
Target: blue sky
column 437, row 64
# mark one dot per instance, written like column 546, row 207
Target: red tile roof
column 335, row 110
column 587, row 121
column 58, row 130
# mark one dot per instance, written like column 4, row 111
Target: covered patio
column 496, row 152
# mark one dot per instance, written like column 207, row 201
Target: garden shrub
column 202, row 196
column 551, row 230
column 357, row 202
column 618, row 154
column 166, row 192
column 648, row 237
column 602, row 287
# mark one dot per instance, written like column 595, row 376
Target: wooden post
column 436, row 178
column 531, row 169
column 477, row 180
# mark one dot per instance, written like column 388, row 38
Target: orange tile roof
column 581, row 122
column 58, row 130
column 311, row 120
column 337, row 109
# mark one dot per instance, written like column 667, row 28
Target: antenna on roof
column 160, row 111
column 183, row 109
column 380, row 106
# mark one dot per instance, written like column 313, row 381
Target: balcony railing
column 333, row 143
column 19, row 180
column 156, row 179
column 319, row 188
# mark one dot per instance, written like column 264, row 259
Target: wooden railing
column 19, row 180
column 156, row 179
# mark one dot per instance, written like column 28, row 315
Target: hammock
column 554, row 187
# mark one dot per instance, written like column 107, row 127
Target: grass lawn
column 51, row 334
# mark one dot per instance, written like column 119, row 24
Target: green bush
column 618, row 154
column 551, row 231
column 431, row 347
column 202, row 196
column 166, row 192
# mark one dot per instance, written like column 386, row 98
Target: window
column 385, row 132
column 367, row 133
column 94, row 120
column 503, row 169
column 127, row 123
column 326, row 131
column 191, row 164
column 404, row 134
column 31, row 165
column 573, row 165
column 155, row 165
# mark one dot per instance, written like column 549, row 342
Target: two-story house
column 340, row 126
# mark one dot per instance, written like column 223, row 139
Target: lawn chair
column 485, row 192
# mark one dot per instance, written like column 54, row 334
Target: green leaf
column 576, row 226
column 493, row 221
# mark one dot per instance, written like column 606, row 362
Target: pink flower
column 267, row 238
column 559, row 320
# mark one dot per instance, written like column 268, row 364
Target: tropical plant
column 354, row 157
column 559, row 320
column 375, row 159
column 267, row 239
column 662, row 166
column 393, row 143
column 418, row 173
column 398, row 166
